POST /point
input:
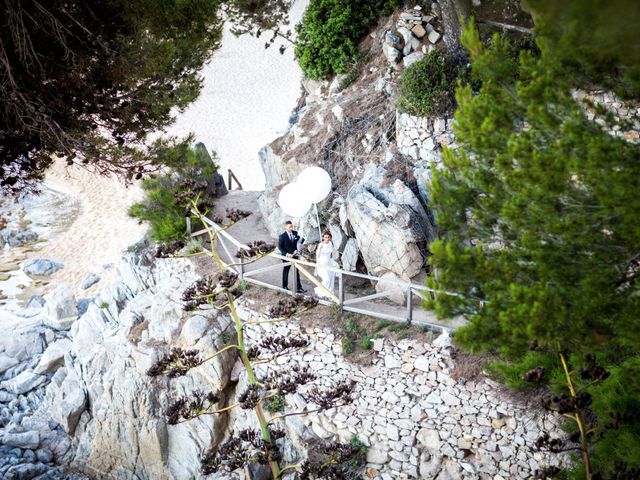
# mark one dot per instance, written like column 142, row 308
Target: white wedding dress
column 324, row 258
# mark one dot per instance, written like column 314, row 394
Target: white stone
column 23, row 383
column 422, row 363
column 53, row 356
column 60, row 310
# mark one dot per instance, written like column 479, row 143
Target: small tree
column 167, row 196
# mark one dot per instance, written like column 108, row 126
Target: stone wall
column 422, row 138
column 416, row 419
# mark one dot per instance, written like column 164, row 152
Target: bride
column 324, row 258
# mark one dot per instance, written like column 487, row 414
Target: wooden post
column 409, row 305
column 188, row 219
column 229, row 179
column 341, row 290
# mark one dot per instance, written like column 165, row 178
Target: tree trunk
column 454, row 14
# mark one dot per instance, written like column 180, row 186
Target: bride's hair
column 327, row 232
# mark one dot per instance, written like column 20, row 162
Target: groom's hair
column 288, row 222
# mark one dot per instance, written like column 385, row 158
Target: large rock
column 215, row 184
column 41, row 266
column 22, row 440
column 390, row 224
column 350, row 255
column 53, row 356
column 89, row 280
column 429, row 438
column 69, row 403
column 23, row 383
column 60, row 311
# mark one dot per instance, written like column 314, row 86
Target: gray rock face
column 60, row 308
column 53, row 356
column 389, row 223
column 41, row 266
column 16, row 238
column 23, row 383
column 350, row 255
column 22, row 440
column 69, row 403
column 89, row 280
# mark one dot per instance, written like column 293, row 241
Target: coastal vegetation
column 539, row 204
column 88, row 81
column 330, row 31
column 166, row 203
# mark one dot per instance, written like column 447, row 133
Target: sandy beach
column 101, row 231
column 247, row 98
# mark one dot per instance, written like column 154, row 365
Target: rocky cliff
column 75, row 392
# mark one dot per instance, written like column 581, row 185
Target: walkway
column 358, row 292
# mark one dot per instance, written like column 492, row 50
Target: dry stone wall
column 415, row 418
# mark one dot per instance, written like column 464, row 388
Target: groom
column 288, row 246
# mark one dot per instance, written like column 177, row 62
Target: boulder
column 41, row 266
column 412, row 58
column 434, row 37
column 60, row 310
column 350, row 255
column 393, row 40
column 53, row 356
column 23, row 383
column 22, row 346
column 16, row 238
column 89, row 280
column 6, row 362
column 418, row 30
column 407, row 36
column 391, row 226
column 22, row 439
column 392, row 54
column 69, row 403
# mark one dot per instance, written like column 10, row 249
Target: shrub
column 428, row 86
column 274, row 404
column 330, row 30
column 167, row 196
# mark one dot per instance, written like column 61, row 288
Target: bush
column 428, row 86
column 274, row 404
column 167, row 196
column 330, row 30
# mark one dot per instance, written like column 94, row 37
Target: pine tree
column 88, row 80
column 540, row 208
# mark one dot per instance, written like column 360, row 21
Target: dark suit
column 288, row 246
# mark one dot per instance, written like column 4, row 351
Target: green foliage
column 359, row 457
column 166, row 196
column 618, row 394
column 242, row 285
column 330, row 31
column 540, row 208
column 193, row 246
column 100, row 75
column 274, row 404
column 396, row 327
column 354, row 335
column 382, row 324
column 103, row 305
column 596, row 41
column 512, row 374
column 428, row 86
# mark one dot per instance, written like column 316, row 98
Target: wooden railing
column 231, row 178
column 364, row 306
